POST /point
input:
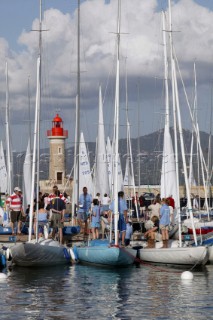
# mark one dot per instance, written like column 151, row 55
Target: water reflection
column 36, row 292
column 107, row 290
column 84, row 292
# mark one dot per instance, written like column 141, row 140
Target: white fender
column 72, row 254
column 8, row 254
column 46, row 231
column 2, row 276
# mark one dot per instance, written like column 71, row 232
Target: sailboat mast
column 39, row 110
column 40, row 68
column 8, row 139
column 165, row 72
column 209, row 156
column 36, row 144
column 183, row 151
column 174, row 111
column 78, row 103
column 138, row 147
column 75, row 167
column 131, row 178
column 205, row 181
column 29, row 113
column 127, row 138
column 34, row 150
column 116, row 137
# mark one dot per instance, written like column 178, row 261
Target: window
column 59, row 177
column 59, row 150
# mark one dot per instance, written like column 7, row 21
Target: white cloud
column 142, row 44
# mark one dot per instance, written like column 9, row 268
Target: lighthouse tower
column 57, row 136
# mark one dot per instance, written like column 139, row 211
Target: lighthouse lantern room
column 57, row 136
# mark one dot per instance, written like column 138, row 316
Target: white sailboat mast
column 78, row 129
column 116, row 130
column 191, row 173
column 205, row 182
column 75, row 167
column 165, row 72
column 183, row 151
column 8, row 139
column 3, row 170
column 174, row 112
column 129, row 168
column 34, row 162
column 197, row 132
column 168, row 173
column 36, row 144
column 39, row 108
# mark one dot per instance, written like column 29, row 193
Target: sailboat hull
column 210, row 251
column 101, row 253
column 176, row 256
column 44, row 253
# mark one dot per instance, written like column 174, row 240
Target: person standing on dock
column 122, row 209
column 105, row 204
column 84, row 207
column 135, row 204
column 53, row 195
column 154, row 208
column 58, row 207
column 95, row 219
column 14, row 203
column 165, row 221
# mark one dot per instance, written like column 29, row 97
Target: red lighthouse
column 57, row 128
column 57, row 136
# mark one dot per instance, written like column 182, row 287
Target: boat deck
column 10, row 239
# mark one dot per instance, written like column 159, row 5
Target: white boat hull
column 197, row 223
column 176, row 256
column 210, row 252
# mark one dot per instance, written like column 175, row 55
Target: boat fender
column 187, row 275
column 73, row 255
column 66, row 254
column 3, row 276
column 8, row 254
column 3, row 261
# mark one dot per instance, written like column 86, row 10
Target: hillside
column 150, row 152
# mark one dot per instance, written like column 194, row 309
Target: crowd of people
column 99, row 213
column 51, row 208
column 92, row 214
column 161, row 212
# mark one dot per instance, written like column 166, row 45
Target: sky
column 141, row 63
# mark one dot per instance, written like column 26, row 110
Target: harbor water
column 86, row 292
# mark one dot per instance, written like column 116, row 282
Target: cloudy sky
column 141, row 60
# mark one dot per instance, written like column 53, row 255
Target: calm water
column 84, row 292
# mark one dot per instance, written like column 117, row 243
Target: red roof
column 57, row 119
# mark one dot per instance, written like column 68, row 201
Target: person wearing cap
column 14, row 204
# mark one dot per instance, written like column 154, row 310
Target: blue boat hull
column 101, row 253
column 2, row 261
